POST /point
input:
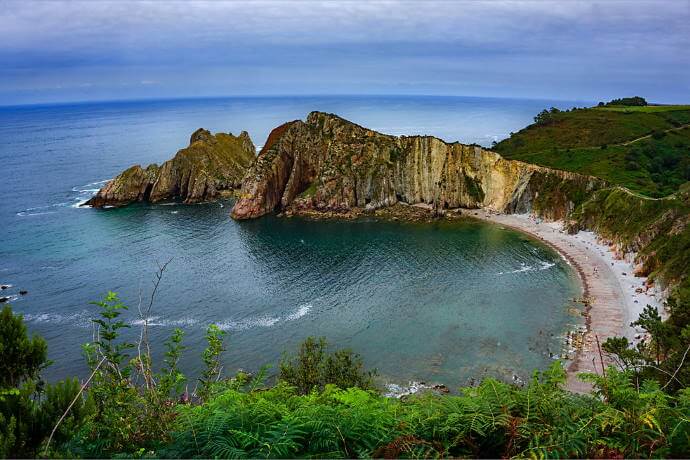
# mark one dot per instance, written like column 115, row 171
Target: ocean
column 442, row 301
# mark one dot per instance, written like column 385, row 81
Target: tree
column 29, row 409
column 546, row 116
column 629, row 101
column 213, row 367
column 23, row 358
column 314, row 368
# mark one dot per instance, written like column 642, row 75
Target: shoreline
column 613, row 296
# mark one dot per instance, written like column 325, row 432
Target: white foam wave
column 528, row 268
column 80, row 319
column 264, row 321
column 83, row 319
column 158, row 321
column 301, row 311
column 84, row 193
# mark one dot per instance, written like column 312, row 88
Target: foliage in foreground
column 29, row 407
column 494, row 419
column 324, row 405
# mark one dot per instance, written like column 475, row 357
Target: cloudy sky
column 70, row 51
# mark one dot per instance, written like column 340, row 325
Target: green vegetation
column 324, row 404
column 657, row 229
column 310, row 191
column 644, row 148
column 645, row 109
column 314, row 368
column 29, row 408
column 635, row 101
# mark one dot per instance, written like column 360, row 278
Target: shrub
column 314, row 368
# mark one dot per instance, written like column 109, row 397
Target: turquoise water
column 444, row 301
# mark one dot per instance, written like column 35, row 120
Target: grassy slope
column 573, row 141
column 655, row 228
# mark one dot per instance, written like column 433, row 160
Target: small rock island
column 211, row 166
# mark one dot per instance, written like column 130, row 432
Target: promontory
column 329, row 164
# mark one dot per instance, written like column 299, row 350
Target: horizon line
column 276, row 95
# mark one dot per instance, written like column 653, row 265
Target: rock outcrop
column 329, row 164
column 210, row 166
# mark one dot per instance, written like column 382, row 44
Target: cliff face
column 330, row 164
column 210, row 165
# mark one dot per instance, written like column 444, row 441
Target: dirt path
column 597, row 147
column 650, row 135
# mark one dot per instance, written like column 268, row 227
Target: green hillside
column 644, row 148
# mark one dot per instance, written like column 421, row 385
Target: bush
column 314, row 368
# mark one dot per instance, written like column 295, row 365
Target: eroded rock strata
column 211, row 165
column 329, row 164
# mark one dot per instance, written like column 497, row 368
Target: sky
column 57, row 51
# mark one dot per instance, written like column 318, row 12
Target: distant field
column 645, row 109
column 597, row 141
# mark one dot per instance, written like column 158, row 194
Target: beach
column 611, row 290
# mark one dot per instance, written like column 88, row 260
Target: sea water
column 441, row 301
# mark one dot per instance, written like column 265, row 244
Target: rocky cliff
column 327, row 163
column 211, row 165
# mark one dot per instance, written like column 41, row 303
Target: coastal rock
column 330, row 164
column 211, row 165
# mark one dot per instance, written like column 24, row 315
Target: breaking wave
column 82, row 194
column 528, row 268
column 264, row 321
column 83, row 319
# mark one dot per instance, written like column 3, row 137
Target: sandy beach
column 608, row 283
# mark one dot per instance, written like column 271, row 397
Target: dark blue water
column 441, row 301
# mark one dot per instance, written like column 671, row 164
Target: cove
column 444, row 301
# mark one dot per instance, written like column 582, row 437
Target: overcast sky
column 69, row 51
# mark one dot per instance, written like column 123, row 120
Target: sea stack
column 210, row 166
